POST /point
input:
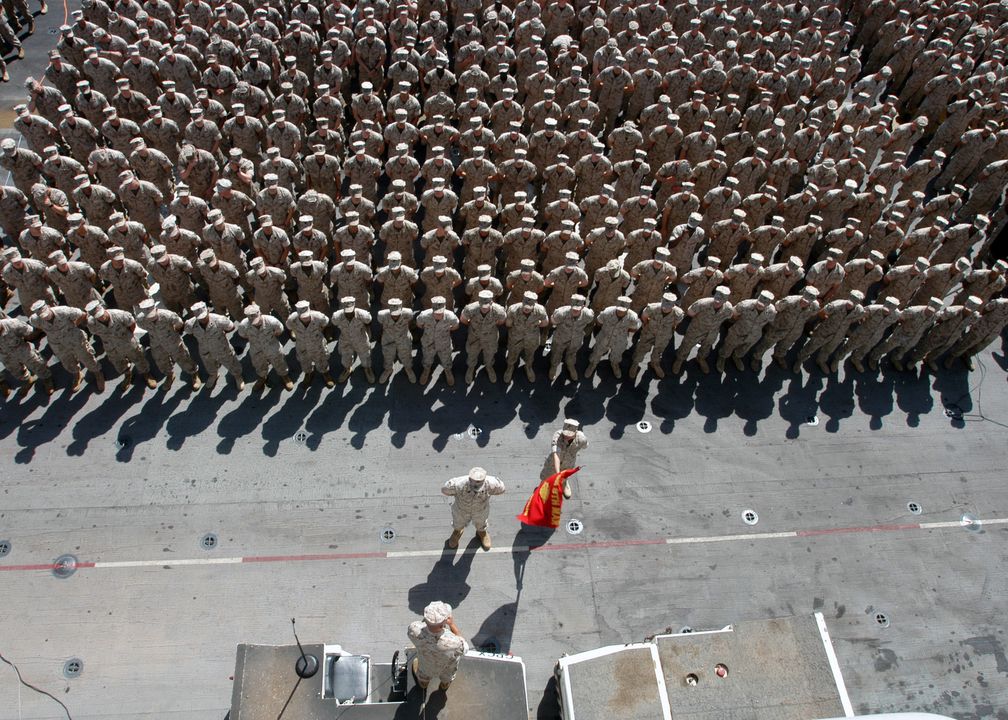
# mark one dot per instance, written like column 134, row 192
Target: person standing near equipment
column 439, row 644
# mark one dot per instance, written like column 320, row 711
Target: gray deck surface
column 159, row 641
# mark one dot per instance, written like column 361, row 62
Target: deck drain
column 749, row 517
column 914, row 508
column 208, row 541
column 4, row 548
column 971, row 522
column 122, row 441
column 882, row 619
column 574, row 527
column 73, row 668
column 721, row 670
column 812, row 420
column 300, row 437
column 475, row 432
column 644, row 427
column 387, row 535
column 685, row 630
column 64, row 566
column 954, row 411
column 692, row 679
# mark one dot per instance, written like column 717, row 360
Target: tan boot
column 449, row 377
column 719, row 364
column 571, row 370
column 287, row 382
column 47, row 383
column 151, row 382
column 470, row 375
column 491, row 373
column 616, row 369
column 425, row 376
column 657, row 370
column 738, row 363
column 329, row 382
column 634, row 370
column 345, row 375
column 453, row 539
column 127, row 377
column 386, row 374
column 704, row 367
column 410, row 375
column 196, row 383
column 508, row 373
column 259, row 386
column 212, row 381
column 5, row 389
column 590, row 370
column 530, row 373
column 369, row 374
column 484, row 538
column 677, row 367
column 554, row 371
column 99, row 382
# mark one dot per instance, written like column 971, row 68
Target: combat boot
column 5, row 389
column 739, row 365
column 239, row 383
column 453, row 539
column 329, row 382
column 410, row 375
column 530, row 373
column 657, row 370
column 508, row 373
column 127, row 377
column 386, row 374
column 369, row 374
column 343, row 376
column 571, row 370
column 719, row 364
column 484, row 538
column 260, row 385
column 196, row 383
column 470, row 375
column 425, row 376
column 47, row 383
column 856, row 364
column 99, row 382
column 634, row 370
column 590, row 370
column 212, row 380
column 309, row 377
column 491, row 373
column 821, row 363
column 449, row 377
column 704, row 367
column 287, row 382
column 677, row 367
column 151, row 382
column 898, row 365
column 781, row 361
column 616, row 369
column 554, row 371
column 796, row 368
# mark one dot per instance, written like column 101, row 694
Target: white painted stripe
column 958, row 523
column 438, row 553
column 729, row 538
column 834, row 666
column 162, row 563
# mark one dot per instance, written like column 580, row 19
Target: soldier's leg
column 685, row 347
column 617, row 348
column 363, row 352
column 599, row 350
column 640, row 350
column 706, row 345
column 881, row 350
column 346, row 354
column 444, row 354
column 784, row 345
column 429, row 357
column 261, row 365
column 404, row 353
column 488, row 350
column 528, row 351
column 472, row 351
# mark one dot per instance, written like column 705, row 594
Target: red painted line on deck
column 867, row 528
column 44, row 566
column 304, row 558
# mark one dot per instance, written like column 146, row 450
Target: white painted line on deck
column 834, row 664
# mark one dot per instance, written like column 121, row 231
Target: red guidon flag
column 544, row 506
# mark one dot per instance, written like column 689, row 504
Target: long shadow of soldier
column 528, row 539
column 446, row 580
